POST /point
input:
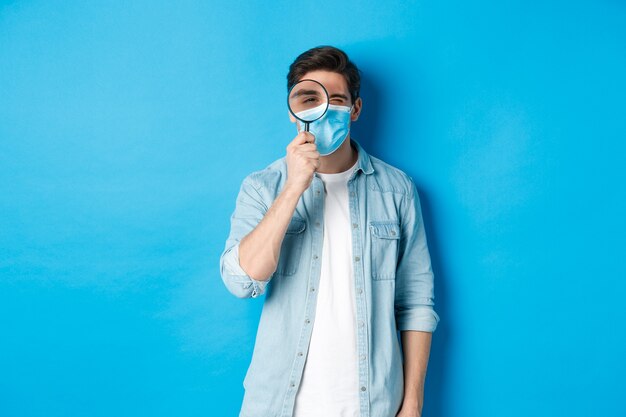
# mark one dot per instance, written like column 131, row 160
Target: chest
column 370, row 220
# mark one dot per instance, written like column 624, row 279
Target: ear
column 356, row 110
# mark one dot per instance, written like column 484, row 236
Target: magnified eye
column 308, row 95
column 310, row 101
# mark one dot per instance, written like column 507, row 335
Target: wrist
column 291, row 191
column 413, row 400
column 410, row 402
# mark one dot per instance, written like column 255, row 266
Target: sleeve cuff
column 234, row 269
column 423, row 319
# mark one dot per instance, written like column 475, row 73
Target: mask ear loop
column 352, row 106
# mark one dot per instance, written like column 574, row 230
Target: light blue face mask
column 331, row 129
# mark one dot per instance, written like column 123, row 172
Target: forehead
column 333, row 81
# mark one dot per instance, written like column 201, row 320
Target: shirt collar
column 364, row 162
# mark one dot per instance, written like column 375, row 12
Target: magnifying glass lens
column 308, row 100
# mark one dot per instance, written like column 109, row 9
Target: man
column 335, row 240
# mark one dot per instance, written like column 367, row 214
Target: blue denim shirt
column 393, row 283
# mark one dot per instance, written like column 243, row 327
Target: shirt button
column 360, row 323
column 393, row 232
column 314, row 256
column 355, row 225
column 362, row 388
column 351, row 193
column 317, row 192
column 299, row 353
column 312, row 289
column 317, row 223
column 362, row 357
column 359, row 290
column 356, row 258
column 307, row 321
column 293, row 385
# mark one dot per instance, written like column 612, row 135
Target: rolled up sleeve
column 249, row 211
column 414, row 296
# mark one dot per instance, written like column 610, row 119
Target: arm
column 416, row 351
column 256, row 235
column 253, row 246
column 416, row 318
column 414, row 297
column 259, row 250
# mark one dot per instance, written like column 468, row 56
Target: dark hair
column 326, row 58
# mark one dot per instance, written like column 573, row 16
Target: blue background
column 127, row 127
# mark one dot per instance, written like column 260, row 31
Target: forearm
column 259, row 250
column 416, row 352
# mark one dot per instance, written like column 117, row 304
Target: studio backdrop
column 126, row 128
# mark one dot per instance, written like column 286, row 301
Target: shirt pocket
column 291, row 249
column 385, row 235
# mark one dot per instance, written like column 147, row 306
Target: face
column 338, row 91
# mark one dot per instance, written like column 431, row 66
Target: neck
column 340, row 160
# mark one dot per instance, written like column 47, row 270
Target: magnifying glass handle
column 306, row 126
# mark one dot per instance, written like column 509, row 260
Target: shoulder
column 389, row 178
column 269, row 177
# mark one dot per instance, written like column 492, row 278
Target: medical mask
column 331, row 129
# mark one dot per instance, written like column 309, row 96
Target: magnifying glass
column 307, row 101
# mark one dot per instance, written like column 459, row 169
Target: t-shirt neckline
column 338, row 176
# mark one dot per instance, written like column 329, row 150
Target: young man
column 335, row 240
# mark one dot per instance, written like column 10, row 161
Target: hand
column 303, row 160
column 409, row 411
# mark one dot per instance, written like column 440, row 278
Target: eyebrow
column 343, row 96
column 305, row 92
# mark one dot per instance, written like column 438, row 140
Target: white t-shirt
column 330, row 381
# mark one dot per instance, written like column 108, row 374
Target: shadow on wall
column 367, row 131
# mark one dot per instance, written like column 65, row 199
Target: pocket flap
column 385, row 229
column 296, row 225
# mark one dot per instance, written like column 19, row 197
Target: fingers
column 315, row 163
column 303, row 142
column 304, row 137
column 310, row 154
column 307, row 147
